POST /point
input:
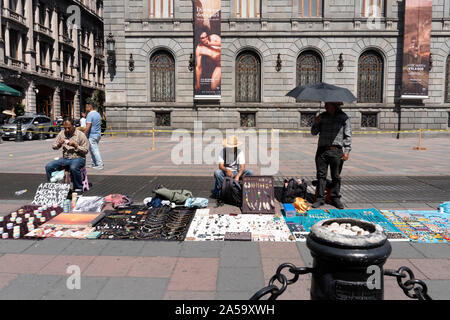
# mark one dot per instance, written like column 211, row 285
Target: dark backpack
column 294, row 190
column 231, row 192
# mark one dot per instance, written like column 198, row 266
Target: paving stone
column 123, row 248
column 105, row 266
column 85, row 247
column 392, row 290
column 234, row 295
column 133, row 289
column 153, row 267
column 60, row 264
column 238, row 261
column 24, row 263
column 286, row 250
column 201, row 249
column 270, row 266
column 194, row 274
column 438, row 289
column 6, row 278
column 28, row 287
column 305, row 254
column 297, row 291
column 395, row 264
column 240, row 249
column 49, row 246
column 434, row 269
column 432, row 250
column 404, row 250
column 90, row 288
column 240, row 279
column 190, row 295
column 161, row 249
column 15, row 246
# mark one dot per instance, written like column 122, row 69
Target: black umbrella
column 321, row 92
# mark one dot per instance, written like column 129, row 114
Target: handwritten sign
column 51, row 194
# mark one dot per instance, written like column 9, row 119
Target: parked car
column 31, row 125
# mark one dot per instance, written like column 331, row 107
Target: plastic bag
column 196, row 203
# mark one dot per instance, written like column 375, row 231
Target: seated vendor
column 231, row 163
column 75, row 147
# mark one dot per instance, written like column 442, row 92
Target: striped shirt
column 334, row 131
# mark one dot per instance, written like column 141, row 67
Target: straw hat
column 231, row 142
column 9, row 113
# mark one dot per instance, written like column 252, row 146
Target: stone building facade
column 289, row 41
column 39, row 54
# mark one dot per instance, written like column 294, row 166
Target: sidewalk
column 397, row 178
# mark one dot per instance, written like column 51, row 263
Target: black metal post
column 80, row 94
column 19, row 137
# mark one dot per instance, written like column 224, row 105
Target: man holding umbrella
column 335, row 136
column 333, row 149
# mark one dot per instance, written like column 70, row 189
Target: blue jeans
column 95, row 153
column 220, row 176
column 74, row 166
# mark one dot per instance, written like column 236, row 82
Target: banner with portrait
column 207, row 49
column 416, row 49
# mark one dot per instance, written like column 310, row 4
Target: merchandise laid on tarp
column 258, row 196
column 142, row 223
column 67, row 225
column 27, row 218
column 237, row 227
column 300, row 224
column 421, row 226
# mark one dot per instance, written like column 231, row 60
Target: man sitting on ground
column 231, row 163
column 75, row 147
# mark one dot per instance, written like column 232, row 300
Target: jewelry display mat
column 214, row 227
column 421, row 226
column 258, row 195
column 300, row 225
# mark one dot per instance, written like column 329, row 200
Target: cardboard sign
column 258, row 195
column 51, row 194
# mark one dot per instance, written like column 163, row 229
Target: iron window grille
column 162, row 119
column 162, row 75
column 369, row 120
column 248, row 8
column 307, row 119
column 161, row 8
column 310, row 8
column 248, row 78
column 370, row 78
column 309, row 68
column 248, row 119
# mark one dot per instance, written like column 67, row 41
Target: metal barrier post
column 419, row 147
column 153, row 142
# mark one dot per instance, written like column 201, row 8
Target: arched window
column 370, row 78
column 162, row 75
column 309, row 68
column 447, row 82
column 248, row 78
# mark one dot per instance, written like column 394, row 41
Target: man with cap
column 231, row 163
column 333, row 149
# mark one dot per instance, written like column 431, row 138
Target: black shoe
column 318, row 204
column 337, row 203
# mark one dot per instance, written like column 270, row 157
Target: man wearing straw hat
column 231, row 163
column 6, row 115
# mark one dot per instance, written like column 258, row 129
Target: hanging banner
column 416, row 52
column 207, row 49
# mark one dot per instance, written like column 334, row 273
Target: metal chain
column 413, row 288
column 276, row 291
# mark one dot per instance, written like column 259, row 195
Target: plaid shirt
column 70, row 152
column 334, row 131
